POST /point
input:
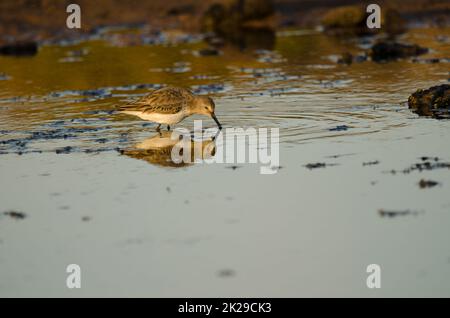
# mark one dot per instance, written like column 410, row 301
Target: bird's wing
column 166, row 100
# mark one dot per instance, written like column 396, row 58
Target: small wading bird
column 169, row 106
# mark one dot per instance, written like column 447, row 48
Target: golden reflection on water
column 301, row 91
column 167, row 150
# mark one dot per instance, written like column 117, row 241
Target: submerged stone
column 19, row 49
column 387, row 51
column 434, row 102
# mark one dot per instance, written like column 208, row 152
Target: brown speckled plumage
column 170, row 105
column 167, row 100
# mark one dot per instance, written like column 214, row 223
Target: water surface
column 139, row 227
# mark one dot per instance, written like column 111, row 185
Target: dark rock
column 230, row 18
column 235, row 14
column 387, row 51
column 20, row 49
column 434, row 102
column 352, row 20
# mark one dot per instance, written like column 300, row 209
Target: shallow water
column 151, row 229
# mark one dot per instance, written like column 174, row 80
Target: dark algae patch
column 424, row 158
column 340, row 155
column 427, row 183
column 392, row 213
column 339, row 128
column 64, row 150
column 426, row 164
column 226, row 273
column 15, row 215
column 370, row 163
column 26, row 144
column 317, row 165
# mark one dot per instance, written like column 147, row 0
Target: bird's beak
column 216, row 120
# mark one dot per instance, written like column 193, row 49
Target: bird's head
column 205, row 106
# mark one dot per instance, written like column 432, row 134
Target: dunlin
column 170, row 105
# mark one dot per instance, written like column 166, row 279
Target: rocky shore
column 41, row 20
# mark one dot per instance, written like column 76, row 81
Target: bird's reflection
column 159, row 149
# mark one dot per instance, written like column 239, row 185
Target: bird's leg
column 158, row 129
column 168, row 127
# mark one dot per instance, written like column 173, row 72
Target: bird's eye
column 206, row 107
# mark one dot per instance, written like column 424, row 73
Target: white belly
column 167, row 119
